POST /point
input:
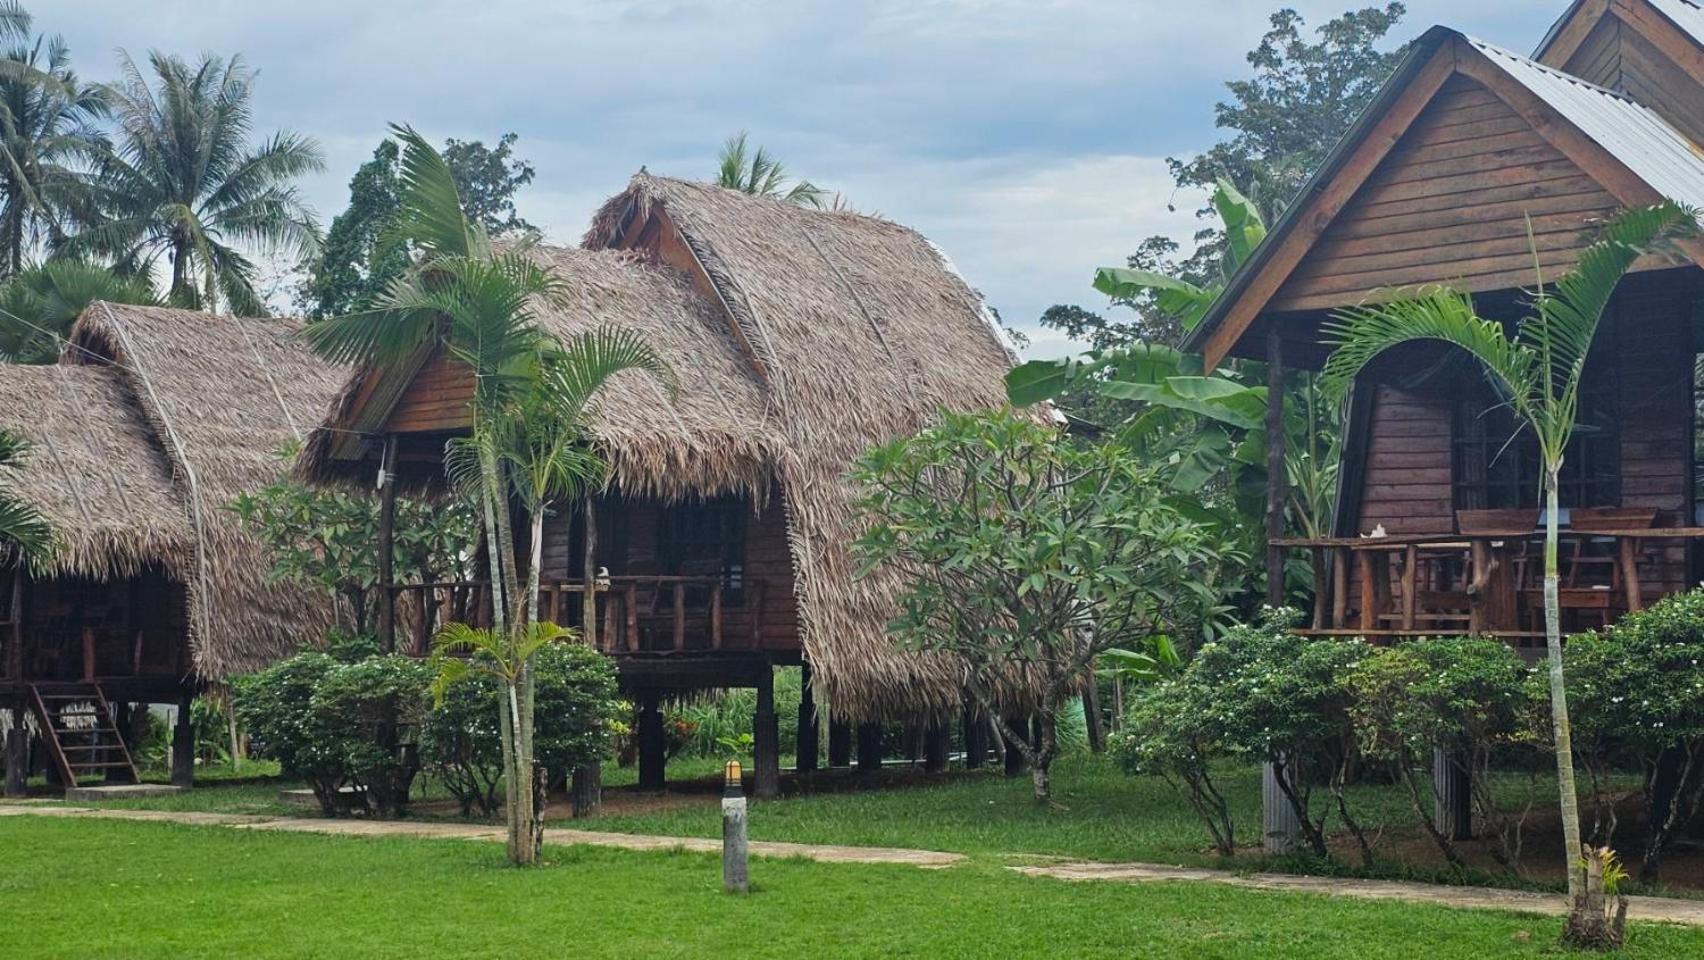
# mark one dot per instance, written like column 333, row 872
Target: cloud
column 1026, row 137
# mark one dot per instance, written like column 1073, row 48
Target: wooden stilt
column 839, row 743
column 870, row 753
column 1015, row 765
column 936, row 742
column 653, row 749
column 1280, row 830
column 766, row 740
column 810, row 729
column 1452, row 795
column 975, row 735
column 183, row 744
column 17, row 752
column 585, row 790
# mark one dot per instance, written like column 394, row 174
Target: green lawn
column 1099, row 814
column 91, row 889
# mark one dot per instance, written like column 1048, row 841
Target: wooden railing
column 635, row 614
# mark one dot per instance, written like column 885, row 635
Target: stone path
column 930, row 859
column 1660, row 909
column 1663, row 909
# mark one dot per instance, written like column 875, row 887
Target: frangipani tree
column 1538, row 372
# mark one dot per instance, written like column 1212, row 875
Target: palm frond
column 430, row 215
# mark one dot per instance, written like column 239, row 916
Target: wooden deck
column 1484, row 584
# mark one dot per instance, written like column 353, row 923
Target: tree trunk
column 589, row 578
column 1560, row 729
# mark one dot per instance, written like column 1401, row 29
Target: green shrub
column 1172, row 731
column 576, row 710
column 1471, row 699
column 338, row 724
column 1636, row 697
column 705, row 725
column 1282, row 699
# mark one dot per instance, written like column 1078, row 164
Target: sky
column 1027, row 139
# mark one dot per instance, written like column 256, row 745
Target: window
column 1496, row 466
column 706, row 539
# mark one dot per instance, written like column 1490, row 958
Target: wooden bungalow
column 800, row 338
column 1438, row 507
column 151, row 423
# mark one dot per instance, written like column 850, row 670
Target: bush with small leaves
column 1636, row 696
column 1472, row 700
column 1172, row 731
column 576, row 712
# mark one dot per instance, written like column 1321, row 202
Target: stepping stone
column 119, row 791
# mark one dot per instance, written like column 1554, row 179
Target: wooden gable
column 436, row 399
column 1449, row 204
column 1634, row 50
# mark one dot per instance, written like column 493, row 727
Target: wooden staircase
column 77, row 724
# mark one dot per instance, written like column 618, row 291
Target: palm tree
column 39, row 305
column 479, row 304
column 47, row 137
column 183, row 184
column 761, row 175
column 22, row 529
column 1538, row 371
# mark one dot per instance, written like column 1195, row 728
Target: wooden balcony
column 1484, row 582
column 635, row 614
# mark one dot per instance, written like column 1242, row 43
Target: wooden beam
column 1581, row 22
column 387, row 545
column 766, row 739
column 1277, row 472
column 1322, row 207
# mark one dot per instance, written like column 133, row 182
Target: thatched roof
column 861, row 330
column 717, row 435
column 94, row 472
column 221, row 397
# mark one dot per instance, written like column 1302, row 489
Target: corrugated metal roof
column 1633, row 133
column 1686, row 14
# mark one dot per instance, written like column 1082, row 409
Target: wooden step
column 103, row 739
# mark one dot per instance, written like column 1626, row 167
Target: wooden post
column 589, row 576
column 1452, row 795
column 1092, row 712
column 1369, row 596
column 1015, row 765
column 1628, row 549
column 870, row 753
column 839, row 743
column 766, row 739
column 88, row 654
column 1410, row 582
column 387, row 545
column 585, row 790
column 1318, row 557
column 17, row 736
column 1279, row 827
column 716, row 616
column 630, row 607
column 183, row 744
column 936, row 743
column 810, row 728
column 975, row 734
column 653, row 748
column 679, row 615
column 1277, row 477
column 1339, row 588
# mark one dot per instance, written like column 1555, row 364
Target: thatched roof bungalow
column 152, row 422
column 801, row 337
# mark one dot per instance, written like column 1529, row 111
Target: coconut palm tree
column 47, row 138
column 183, row 185
column 1538, row 371
column 22, row 529
column 755, row 172
column 39, row 305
